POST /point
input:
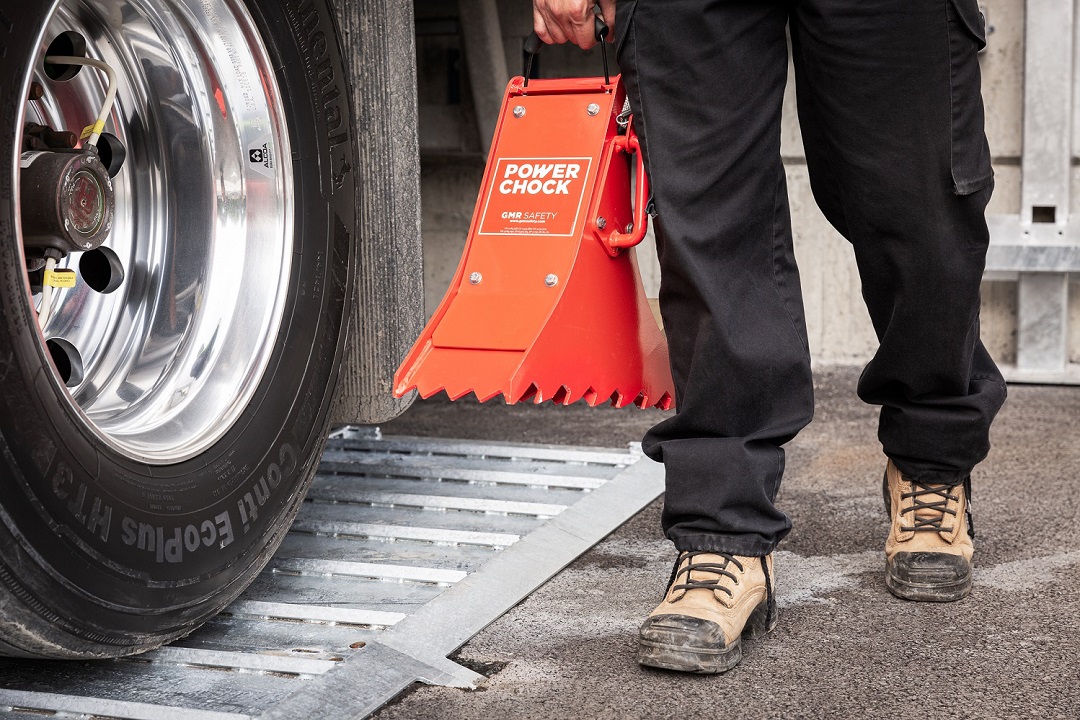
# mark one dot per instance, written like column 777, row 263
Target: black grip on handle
column 533, row 43
column 601, row 30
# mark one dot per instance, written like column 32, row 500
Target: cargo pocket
column 971, row 170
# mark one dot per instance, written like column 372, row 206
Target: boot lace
column 718, row 570
column 929, row 507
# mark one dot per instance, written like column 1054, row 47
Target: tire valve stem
column 45, row 309
column 91, row 133
column 52, row 278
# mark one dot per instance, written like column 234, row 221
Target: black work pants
column 892, row 120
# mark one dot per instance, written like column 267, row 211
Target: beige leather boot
column 928, row 553
column 713, row 600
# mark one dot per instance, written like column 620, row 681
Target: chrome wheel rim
column 202, row 226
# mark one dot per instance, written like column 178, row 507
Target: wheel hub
column 66, row 201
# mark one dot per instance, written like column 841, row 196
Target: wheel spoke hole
column 66, row 44
column 111, row 153
column 101, row 270
column 67, row 359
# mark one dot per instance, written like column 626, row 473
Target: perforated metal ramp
column 403, row 550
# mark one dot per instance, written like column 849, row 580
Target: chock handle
column 533, row 43
column 617, row 241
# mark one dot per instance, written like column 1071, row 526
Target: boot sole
column 926, row 592
column 683, row 655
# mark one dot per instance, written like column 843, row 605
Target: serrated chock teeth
column 536, row 394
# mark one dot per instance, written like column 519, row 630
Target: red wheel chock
column 547, row 302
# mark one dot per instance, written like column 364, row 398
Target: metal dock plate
column 403, row 550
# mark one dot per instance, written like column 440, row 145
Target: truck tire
column 158, row 433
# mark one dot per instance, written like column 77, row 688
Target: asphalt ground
column 844, row 647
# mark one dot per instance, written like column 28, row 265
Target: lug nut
column 60, row 140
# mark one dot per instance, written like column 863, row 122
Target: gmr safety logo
column 534, row 196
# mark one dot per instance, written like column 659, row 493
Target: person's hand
column 559, row 21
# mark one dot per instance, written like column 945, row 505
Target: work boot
column 713, row 600
column 928, row 553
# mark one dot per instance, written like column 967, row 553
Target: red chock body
column 547, row 302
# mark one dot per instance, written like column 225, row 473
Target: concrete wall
column 838, row 325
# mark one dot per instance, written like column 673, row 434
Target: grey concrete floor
column 844, row 647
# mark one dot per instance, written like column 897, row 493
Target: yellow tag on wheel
column 59, row 278
column 89, row 130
